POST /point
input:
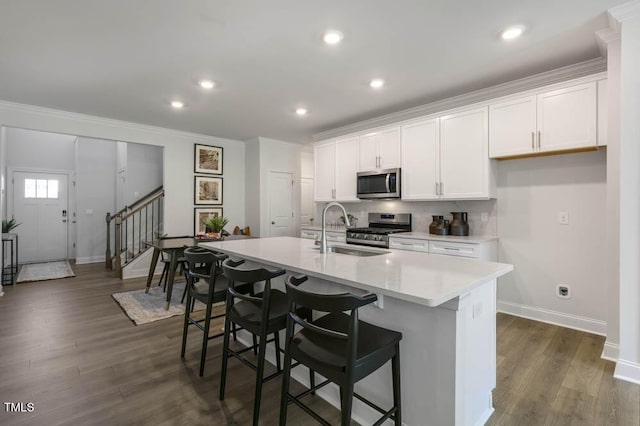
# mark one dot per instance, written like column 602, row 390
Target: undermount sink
column 353, row 251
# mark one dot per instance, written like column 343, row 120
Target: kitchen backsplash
column 421, row 212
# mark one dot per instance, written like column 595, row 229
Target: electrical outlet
column 563, row 218
column 484, row 217
column 563, row 291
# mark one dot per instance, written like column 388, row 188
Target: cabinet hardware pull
column 437, row 189
column 451, row 248
column 533, row 143
column 441, row 188
column 539, row 139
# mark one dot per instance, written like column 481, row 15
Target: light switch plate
column 563, row 218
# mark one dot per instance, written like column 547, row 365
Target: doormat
column 45, row 271
column 143, row 308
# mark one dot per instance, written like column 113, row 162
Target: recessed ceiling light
column 512, row 32
column 177, row 104
column 302, row 111
column 332, row 37
column 376, row 83
column 207, row 84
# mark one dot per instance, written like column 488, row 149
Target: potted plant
column 8, row 225
column 216, row 224
column 352, row 219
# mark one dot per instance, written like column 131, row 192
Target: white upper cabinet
column 512, row 127
column 335, row 170
column 420, row 162
column 567, row 118
column 556, row 120
column 464, row 156
column 324, row 171
column 447, row 157
column 380, row 150
column 346, row 170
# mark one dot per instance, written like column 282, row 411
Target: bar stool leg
column 347, row 402
column 284, row 397
column 205, row 335
column 185, row 328
column 395, row 372
column 276, row 341
column 259, row 375
column 225, row 353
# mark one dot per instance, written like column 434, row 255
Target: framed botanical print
column 201, row 216
column 208, row 190
column 208, row 159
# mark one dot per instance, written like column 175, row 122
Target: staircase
column 131, row 227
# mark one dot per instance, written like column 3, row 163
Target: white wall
column 3, row 186
column 40, row 150
column 95, row 195
column 252, row 190
column 531, row 193
column 178, row 156
column 628, row 366
column 143, row 170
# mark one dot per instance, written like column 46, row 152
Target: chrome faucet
column 323, row 238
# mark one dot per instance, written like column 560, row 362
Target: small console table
column 9, row 258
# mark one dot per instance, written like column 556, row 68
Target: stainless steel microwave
column 379, row 184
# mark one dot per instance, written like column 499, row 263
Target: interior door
column 281, row 204
column 307, row 206
column 41, row 206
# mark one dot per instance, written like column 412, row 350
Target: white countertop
column 421, row 278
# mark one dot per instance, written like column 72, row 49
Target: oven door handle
column 386, row 182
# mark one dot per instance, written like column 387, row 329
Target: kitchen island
column 444, row 306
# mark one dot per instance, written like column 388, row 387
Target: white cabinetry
column 557, row 120
column 447, row 158
column 332, row 236
column 380, row 150
column 485, row 249
column 335, row 170
column 420, row 162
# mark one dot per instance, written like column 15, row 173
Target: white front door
column 281, row 204
column 41, row 206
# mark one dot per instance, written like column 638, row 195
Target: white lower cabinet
column 483, row 250
column 333, row 236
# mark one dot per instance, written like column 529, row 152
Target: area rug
column 45, row 271
column 143, row 308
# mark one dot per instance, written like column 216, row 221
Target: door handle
column 64, row 220
column 272, row 222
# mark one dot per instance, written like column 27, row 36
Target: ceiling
column 128, row 59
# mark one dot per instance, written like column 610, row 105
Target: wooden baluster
column 108, row 262
column 118, row 245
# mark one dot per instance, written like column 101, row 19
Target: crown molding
column 605, row 37
column 558, row 75
column 625, row 11
column 9, row 107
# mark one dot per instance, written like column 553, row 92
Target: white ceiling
column 127, row 59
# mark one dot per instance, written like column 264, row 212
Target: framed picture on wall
column 208, row 159
column 208, row 190
column 201, row 216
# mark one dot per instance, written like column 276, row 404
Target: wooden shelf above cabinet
column 549, row 153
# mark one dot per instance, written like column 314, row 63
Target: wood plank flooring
column 66, row 346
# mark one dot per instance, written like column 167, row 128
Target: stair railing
column 132, row 226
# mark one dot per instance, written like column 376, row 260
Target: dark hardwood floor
column 67, row 347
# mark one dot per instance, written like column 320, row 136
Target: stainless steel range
column 381, row 225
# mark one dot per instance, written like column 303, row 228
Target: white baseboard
column 90, row 259
column 627, row 371
column 611, row 351
column 575, row 322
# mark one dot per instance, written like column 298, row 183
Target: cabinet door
column 512, row 127
column 368, row 155
column 420, row 161
column 389, row 149
column 307, row 206
column 567, row 118
column 346, row 170
column 324, row 171
column 464, row 155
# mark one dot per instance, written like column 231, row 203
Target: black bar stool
column 338, row 346
column 261, row 314
column 206, row 284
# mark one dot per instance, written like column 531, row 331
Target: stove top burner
column 380, row 226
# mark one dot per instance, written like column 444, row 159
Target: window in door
column 41, row 188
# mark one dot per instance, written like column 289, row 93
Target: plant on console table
column 215, row 225
column 8, row 225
